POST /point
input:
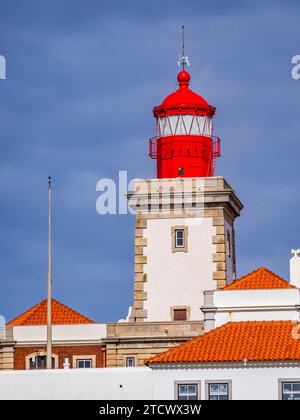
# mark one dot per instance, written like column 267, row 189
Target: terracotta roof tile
column 237, row 341
column 61, row 314
column 259, row 279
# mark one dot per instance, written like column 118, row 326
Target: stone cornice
column 149, row 339
column 212, row 192
column 226, row 365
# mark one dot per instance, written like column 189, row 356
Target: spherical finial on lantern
column 183, row 78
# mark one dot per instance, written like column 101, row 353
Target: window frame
column 198, row 389
column 84, row 360
column 41, row 353
column 126, row 358
column 77, row 357
column 179, row 238
column 227, row 382
column 175, row 247
column 176, row 311
column 174, row 308
column 228, row 243
column 283, row 381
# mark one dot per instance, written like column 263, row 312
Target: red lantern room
column 184, row 145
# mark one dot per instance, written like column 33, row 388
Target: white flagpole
column 49, row 299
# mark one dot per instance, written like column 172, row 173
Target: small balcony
column 155, row 153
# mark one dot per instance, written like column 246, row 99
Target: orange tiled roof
column 61, row 314
column 259, row 279
column 237, row 341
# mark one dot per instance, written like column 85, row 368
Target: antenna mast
column 49, row 298
column 183, row 59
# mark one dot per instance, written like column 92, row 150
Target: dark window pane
column 179, row 314
column 214, row 388
column 187, row 392
column 218, row 391
column 191, row 389
column 40, row 362
column 183, row 389
column 84, row 364
column 179, row 238
column 223, row 388
column 130, row 362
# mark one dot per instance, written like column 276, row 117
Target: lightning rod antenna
column 183, row 61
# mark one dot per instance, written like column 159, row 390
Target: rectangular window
column 180, row 314
column 218, row 391
column 84, row 363
column 290, row 390
column 179, row 238
column 228, row 245
column 130, row 362
column 187, row 391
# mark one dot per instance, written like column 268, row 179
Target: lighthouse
column 184, row 145
column 184, row 232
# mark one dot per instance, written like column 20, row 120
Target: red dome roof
column 184, row 100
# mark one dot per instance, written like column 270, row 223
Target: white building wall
column 247, row 383
column 179, row 278
column 87, row 333
column 256, row 298
column 256, row 305
column 224, row 317
column 77, row 384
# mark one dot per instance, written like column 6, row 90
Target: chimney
column 208, row 310
column 295, row 268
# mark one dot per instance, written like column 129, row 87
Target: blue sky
column 82, row 79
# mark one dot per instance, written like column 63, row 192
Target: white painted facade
column 247, row 382
column 61, row 334
column 77, row 384
column 252, row 305
column 256, row 305
column 178, row 278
